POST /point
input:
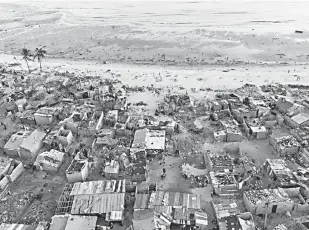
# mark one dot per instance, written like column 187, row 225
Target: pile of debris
column 197, row 177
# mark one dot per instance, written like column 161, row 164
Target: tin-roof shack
column 12, row 146
column 50, row 161
column 30, row 146
column 99, row 197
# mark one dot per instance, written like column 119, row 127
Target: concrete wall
column 78, row 176
column 71, row 126
column 27, row 121
column 13, row 176
column 100, row 122
column 262, row 208
column 17, row 172
column 11, row 152
column 30, row 154
column 74, row 177
column 66, row 140
column 86, row 132
column 4, row 182
column 42, row 119
column 270, row 123
column 305, row 124
column 290, row 122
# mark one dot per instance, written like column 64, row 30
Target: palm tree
column 40, row 54
column 26, row 56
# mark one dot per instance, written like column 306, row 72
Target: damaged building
column 223, row 184
column 284, row 144
column 49, row 161
column 30, row 146
column 78, row 170
column 12, row 146
column 219, row 163
column 10, row 170
column 277, row 200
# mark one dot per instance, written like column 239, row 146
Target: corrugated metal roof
column 141, row 201
column 172, row 199
column 300, row 118
column 16, row 227
column 98, row 203
column 201, row 218
column 98, row 187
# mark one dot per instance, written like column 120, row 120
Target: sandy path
column 214, row 77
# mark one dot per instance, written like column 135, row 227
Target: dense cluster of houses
column 277, row 186
column 122, row 142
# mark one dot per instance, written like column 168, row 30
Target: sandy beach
column 169, row 33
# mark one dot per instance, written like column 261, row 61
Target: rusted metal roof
column 177, row 199
column 98, row 203
column 98, row 187
column 141, row 201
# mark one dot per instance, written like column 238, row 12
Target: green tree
column 26, row 57
column 39, row 55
